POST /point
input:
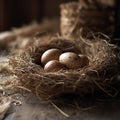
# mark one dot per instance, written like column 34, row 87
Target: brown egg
column 84, row 60
column 53, row 66
column 51, row 54
column 70, row 60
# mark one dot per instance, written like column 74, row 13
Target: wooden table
column 34, row 109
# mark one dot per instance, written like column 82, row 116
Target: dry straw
column 97, row 77
column 17, row 39
column 89, row 14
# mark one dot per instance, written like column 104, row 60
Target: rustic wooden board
column 34, row 109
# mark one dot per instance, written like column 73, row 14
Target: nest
column 88, row 14
column 97, row 77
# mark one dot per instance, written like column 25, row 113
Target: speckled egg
column 70, row 60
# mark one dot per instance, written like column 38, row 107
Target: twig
column 62, row 112
column 23, row 88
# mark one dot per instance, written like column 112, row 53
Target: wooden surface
column 34, row 109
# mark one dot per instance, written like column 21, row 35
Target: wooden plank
column 1, row 15
column 117, row 19
column 36, row 109
column 16, row 13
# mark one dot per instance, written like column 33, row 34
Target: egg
column 53, row 66
column 84, row 60
column 51, row 54
column 70, row 60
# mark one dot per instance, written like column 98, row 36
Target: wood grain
column 1, row 15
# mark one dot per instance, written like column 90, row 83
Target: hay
column 16, row 40
column 4, row 106
column 97, row 77
column 88, row 14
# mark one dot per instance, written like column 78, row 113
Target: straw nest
column 97, row 77
column 89, row 14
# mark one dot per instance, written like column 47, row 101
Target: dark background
column 14, row 13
